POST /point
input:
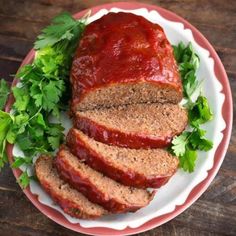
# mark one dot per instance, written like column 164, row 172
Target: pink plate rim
column 227, row 112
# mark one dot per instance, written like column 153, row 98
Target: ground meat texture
column 132, row 167
column 134, row 126
column 70, row 200
column 111, row 195
column 123, row 59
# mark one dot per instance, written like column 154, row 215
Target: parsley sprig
column 4, row 92
column 186, row 145
column 40, row 95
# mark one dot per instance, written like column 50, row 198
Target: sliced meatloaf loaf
column 133, row 167
column 122, row 59
column 70, row 200
column 134, row 126
column 98, row 188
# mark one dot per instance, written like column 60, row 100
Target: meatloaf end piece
column 134, row 126
column 123, row 59
column 98, row 188
column 70, row 200
column 133, row 167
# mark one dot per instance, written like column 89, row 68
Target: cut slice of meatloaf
column 123, row 59
column 134, row 126
column 133, row 167
column 70, row 200
column 98, row 188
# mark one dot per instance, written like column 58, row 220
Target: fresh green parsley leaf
column 200, row 112
column 179, row 51
column 54, row 141
column 18, row 161
column 190, row 83
column 24, row 141
column 188, row 62
column 6, row 121
column 187, row 160
column 185, row 146
column 11, row 135
column 63, row 27
column 4, row 92
column 40, row 120
column 55, row 129
column 179, row 143
column 3, row 155
column 51, row 95
column 36, row 132
column 49, row 60
column 21, row 121
column 24, row 179
column 21, row 95
column 41, row 94
column 38, row 99
column 199, row 141
column 29, row 73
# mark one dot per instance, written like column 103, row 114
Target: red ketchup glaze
column 68, row 206
column 97, row 162
column 83, row 185
column 118, row 138
column 121, row 48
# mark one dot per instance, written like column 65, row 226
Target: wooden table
column 215, row 212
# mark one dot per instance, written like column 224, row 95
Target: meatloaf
column 98, row 188
column 134, row 126
column 123, row 59
column 133, row 167
column 70, row 200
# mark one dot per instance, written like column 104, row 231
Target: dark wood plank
column 20, row 27
column 39, row 14
column 193, row 219
column 14, row 49
column 212, row 28
column 228, row 57
column 9, row 69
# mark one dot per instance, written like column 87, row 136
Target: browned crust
column 131, row 178
column 119, row 138
column 137, row 50
column 75, row 177
column 67, row 205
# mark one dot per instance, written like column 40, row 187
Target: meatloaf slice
column 123, row 59
column 134, row 126
column 98, row 188
column 133, row 167
column 70, row 200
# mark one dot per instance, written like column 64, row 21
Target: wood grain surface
column 214, row 213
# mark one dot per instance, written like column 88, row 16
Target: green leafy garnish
column 198, row 141
column 199, row 112
column 4, row 92
column 63, row 27
column 185, row 146
column 24, row 179
column 40, row 94
column 6, row 121
column 179, row 144
column 20, row 161
column 188, row 62
column 187, row 160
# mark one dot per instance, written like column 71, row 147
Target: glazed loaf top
column 127, row 58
